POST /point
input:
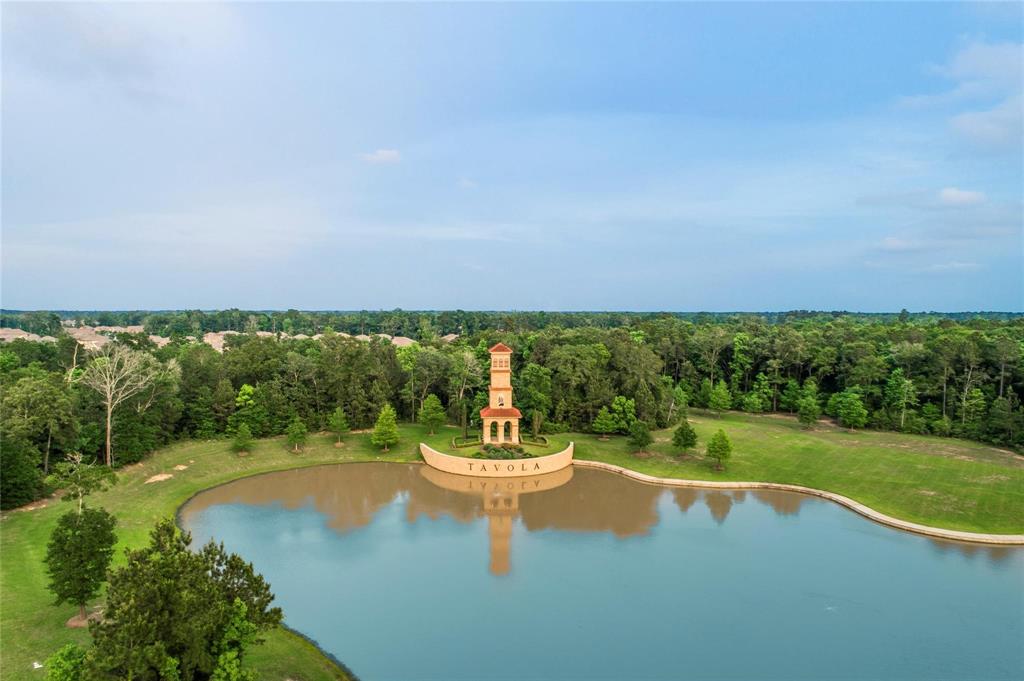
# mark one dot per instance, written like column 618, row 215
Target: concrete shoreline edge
column 855, row 506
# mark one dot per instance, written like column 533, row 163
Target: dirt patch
column 992, row 478
column 159, row 477
column 35, row 505
column 180, row 467
column 927, row 492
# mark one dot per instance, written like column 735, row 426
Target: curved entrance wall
column 497, row 468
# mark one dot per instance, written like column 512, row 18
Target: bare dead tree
column 118, row 373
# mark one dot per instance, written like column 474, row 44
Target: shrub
column 684, row 436
column 67, row 664
column 296, row 433
column 719, row 449
column 640, row 435
column 385, row 431
column 243, row 438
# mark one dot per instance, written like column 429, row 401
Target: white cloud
column 951, row 196
column 986, row 66
column 998, row 127
column 466, row 183
column 383, row 156
column 140, row 48
column 897, row 245
column 241, row 233
column 987, row 80
column 952, row 266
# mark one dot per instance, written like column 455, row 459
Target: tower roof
column 500, row 347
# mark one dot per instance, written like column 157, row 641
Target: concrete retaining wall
column 857, row 507
column 497, row 468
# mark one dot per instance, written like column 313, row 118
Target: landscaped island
column 938, row 482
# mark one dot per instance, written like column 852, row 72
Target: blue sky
column 532, row 156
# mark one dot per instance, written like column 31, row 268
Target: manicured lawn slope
column 945, row 483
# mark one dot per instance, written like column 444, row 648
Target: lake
column 406, row 573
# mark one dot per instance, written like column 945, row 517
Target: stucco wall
column 494, row 468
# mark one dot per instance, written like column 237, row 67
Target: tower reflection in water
column 350, row 496
column 500, row 503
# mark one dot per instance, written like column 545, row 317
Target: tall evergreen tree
column 640, row 435
column 296, row 433
column 78, row 555
column 432, row 413
column 684, row 436
column 338, row 423
column 719, row 449
column 604, row 424
column 385, row 431
column 720, row 399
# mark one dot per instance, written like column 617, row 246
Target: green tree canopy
column 242, row 440
column 719, row 448
column 385, row 431
column 173, row 613
column 640, row 435
column 808, row 407
column 720, row 399
column 684, row 437
column 604, row 423
column 849, row 409
column 78, row 555
column 623, row 410
column 337, row 423
column 297, row 433
column 432, row 413
column 79, row 479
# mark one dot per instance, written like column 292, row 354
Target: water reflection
column 350, row 495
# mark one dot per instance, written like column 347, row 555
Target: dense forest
column 924, row 373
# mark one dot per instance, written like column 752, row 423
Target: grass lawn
column 945, row 483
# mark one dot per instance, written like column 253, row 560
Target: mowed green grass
column 944, row 483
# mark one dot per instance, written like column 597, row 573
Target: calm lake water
column 406, row 573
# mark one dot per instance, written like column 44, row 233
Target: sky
column 722, row 157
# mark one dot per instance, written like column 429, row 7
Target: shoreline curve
column 850, row 504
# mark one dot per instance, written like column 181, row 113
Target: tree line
column 924, row 374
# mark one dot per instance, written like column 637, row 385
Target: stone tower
column 500, row 418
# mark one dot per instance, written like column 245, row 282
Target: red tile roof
column 491, row 412
column 500, row 347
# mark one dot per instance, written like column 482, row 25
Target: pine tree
column 624, row 412
column 604, row 423
column 243, row 438
column 850, row 409
column 296, row 433
column 763, row 389
column 172, row 612
column 752, row 403
column 808, row 408
column 432, row 413
column 684, row 436
column 791, row 395
column 338, row 423
column 720, row 399
column 640, row 435
column 719, row 448
column 385, row 432
column 704, row 393
column 78, row 555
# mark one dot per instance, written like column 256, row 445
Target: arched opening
column 508, row 431
column 501, row 401
column 494, row 431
